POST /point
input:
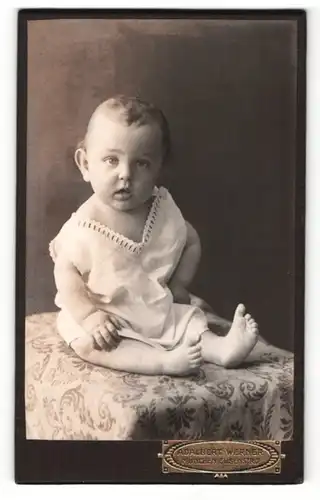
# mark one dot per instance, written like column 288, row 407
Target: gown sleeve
column 72, row 244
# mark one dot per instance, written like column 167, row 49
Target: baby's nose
column 124, row 171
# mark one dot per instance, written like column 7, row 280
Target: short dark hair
column 136, row 110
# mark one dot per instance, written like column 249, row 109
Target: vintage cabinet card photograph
column 160, row 246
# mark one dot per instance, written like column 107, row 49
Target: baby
column 124, row 260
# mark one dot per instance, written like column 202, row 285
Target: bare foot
column 242, row 337
column 184, row 359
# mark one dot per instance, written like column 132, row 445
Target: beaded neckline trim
column 121, row 240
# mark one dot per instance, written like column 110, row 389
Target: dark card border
column 129, row 462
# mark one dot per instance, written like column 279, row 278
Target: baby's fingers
column 119, row 322
column 100, row 341
column 109, row 341
column 115, row 322
column 124, row 323
column 112, row 331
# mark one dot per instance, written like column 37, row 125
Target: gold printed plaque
column 221, row 457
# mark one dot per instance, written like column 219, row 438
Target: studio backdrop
column 228, row 89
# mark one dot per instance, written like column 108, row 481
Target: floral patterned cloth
column 67, row 398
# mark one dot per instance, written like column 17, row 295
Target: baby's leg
column 136, row 357
column 231, row 350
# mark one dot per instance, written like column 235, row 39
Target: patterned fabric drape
column 67, row 398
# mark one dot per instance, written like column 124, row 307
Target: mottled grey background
column 228, row 89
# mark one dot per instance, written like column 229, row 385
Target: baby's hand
column 104, row 329
column 180, row 293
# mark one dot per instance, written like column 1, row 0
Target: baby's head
column 126, row 144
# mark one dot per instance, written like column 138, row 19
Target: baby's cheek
column 146, row 187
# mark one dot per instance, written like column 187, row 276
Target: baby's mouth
column 123, row 194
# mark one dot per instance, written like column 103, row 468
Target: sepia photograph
column 161, row 221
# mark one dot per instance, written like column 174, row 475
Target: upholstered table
column 67, row 398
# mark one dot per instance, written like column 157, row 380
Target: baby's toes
column 248, row 317
column 195, row 355
column 195, row 348
column 253, row 326
column 239, row 312
column 195, row 362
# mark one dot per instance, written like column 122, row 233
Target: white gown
column 129, row 279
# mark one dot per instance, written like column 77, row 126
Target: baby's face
column 123, row 161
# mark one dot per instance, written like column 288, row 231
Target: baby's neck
column 129, row 223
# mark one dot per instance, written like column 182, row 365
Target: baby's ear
column 80, row 157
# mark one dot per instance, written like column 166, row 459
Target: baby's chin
column 124, row 205
column 128, row 204
column 125, row 202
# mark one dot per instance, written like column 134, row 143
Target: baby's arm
column 75, row 298
column 187, row 267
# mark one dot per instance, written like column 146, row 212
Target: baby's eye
column 111, row 160
column 143, row 164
